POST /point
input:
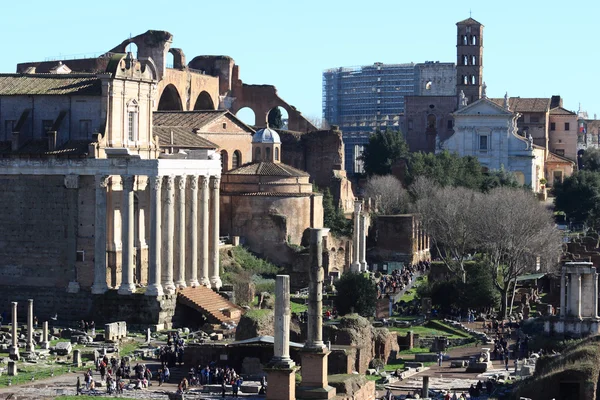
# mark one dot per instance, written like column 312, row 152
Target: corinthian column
column 194, row 231
column 154, row 273
column 281, row 354
column 363, row 243
column 29, row 346
column 215, row 279
column 168, row 284
column 204, row 227
column 181, row 231
column 355, row 267
column 14, row 347
column 100, row 286
column 127, row 222
column 316, row 276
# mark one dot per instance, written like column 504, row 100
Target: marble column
column 127, row 235
column 355, row 267
column 14, row 347
column 167, row 277
column 29, row 346
column 215, row 279
column 575, row 295
column 72, row 205
column 193, row 242
column 154, row 257
column 315, row 290
column 204, row 228
column 563, row 290
column 281, row 354
column 363, row 243
column 100, row 286
column 181, row 180
column 595, row 299
column 45, row 343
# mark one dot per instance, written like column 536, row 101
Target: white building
column 488, row 131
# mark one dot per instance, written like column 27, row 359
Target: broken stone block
column 63, row 348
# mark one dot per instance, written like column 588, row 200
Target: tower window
column 465, row 40
column 257, row 154
column 276, row 153
column 567, row 126
column 465, row 60
column 268, row 154
column 473, row 81
column 473, row 60
column 465, row 80
column 473, row 40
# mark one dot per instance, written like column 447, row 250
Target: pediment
column 483, row 107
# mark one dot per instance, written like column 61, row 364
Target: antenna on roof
column 470, row 14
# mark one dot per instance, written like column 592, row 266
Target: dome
column 266, row 135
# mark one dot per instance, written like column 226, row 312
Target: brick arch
column 170, row 100
column 204, row 101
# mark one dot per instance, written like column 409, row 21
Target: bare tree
column 515, row 231
column 389, row 194
column 318, row 122
column 447, row 216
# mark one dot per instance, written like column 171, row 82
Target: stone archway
column 170, row 100
column 204, row 102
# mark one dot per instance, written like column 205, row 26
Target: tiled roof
column 51, row 84
column 267, row 168
column 40, row 147
column 182, row 137
column 561, row 111
column 533, row 104
column 469, row 21
column 209, row 303
column 192, row 119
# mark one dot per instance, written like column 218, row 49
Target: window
column 431, row 122
column 473, row 60
column 85, row 128
column 257, row 154
column 567, row 126
column 552, row 126
column 473, row 80
column 46, row 126
column 465, row 40
column 268, row 154
column 558, row 176
column 465, row 60
column 224, row 125
column 132, row 121
column 276, row 153
column 560, row 152
column 236, row 159
column 410, row 124
column 465, row 80
column 483, row 142
column 473, row 40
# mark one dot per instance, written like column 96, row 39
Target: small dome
column 266, row 135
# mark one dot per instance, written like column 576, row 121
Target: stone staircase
column 211, row 304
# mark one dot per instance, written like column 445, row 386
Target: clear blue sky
column 532, row 48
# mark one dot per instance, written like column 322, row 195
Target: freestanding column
column 168, row 284
column 127, row 218
column 45, row 343
column 100, row 286
column 575, row 295
column 363, row 243
column 29, row 346
column 204, row 229
column 563, row 289
column 181, row 234
column 595, row 300
column 194, row 231
column 215, row 279
column 355, row 267
column 154, row 257
column 314, row 354
column 14, row 348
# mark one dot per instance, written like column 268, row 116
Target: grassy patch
column 39, row 373
column 257, row 313
column 128, row 348
column 414, row 350
column 298, row 308
column 432, row 328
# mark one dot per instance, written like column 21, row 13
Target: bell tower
column 469, row 59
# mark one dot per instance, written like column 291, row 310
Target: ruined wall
column 339, row 252
column 398, row 238
column 420, row 136
column 189, row 85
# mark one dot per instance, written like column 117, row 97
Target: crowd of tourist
column 398, row 280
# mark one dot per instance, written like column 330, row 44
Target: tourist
column 440, row 359
column 167, row 374
column 223, row 389
column 506, row 360
column 78, row 385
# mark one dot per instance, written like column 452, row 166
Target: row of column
column 359, row 256
column 421, row 238
column 161, row 280
column 572, row 303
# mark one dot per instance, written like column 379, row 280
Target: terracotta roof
column 192, row 119
column 51, row 84
column 267, row 168
column 182, row 137
column 557, row 158
column 533, row 104
column 469, row 21
column 561, row 111
column 209, row 303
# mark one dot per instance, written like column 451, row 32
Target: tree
column 591, row 159
column 355, row 293
column 333, row 218
column 579, row 197
column 498, row 178
column 390, row 196
column 274, row 118
column 445, row 169
column 382, row 151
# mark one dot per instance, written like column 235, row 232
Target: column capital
column 155, row 182
column 102, row 181
column 215, row 182
column 128, row 182
column 194, row 182
column 181, row 181
column 204, row 182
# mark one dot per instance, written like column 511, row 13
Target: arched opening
column 465, row 80
column 204, row 102
column 257, row 155
column 268, row 154
column 276, row 153
column 465, row 40
column 465, row 60
column 247, row 116
column 473, row 81
column 431, row 122
column 278, row 118
column 170, row 100
column 133, row 49
column 224, row 161
column 473, row 40
column 236, row 159
column 170, row 60
column 473, row 60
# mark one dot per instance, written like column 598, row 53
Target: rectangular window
column 558, row 176
column 358, row 163
column 552, row 126
column 567, row 126
column 132, row 125
column 483, row 143
column 410, row 124
column 85, row 128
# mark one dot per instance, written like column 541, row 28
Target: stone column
column 425, row 389
column 193, row 242
column 29, row 346
column 127, row 229
column 72, row 185
column 204, row 228
column 355, row 266
column 14, row 347
column 45, row 343
column 563, row 290
column 595, row 300
column 575, row 296
column 154, row 258
column 168, row 284
column 181, row 232
column 215, row 279
column 363, row 243
column 281, row 355
column 100, row 286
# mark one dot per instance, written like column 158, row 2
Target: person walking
column 440, row 358
column 78, row 386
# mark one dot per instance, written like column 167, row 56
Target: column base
column 355, row 267
column 30, row 348
column 73, row 287
column 126, row 288
column 13, row 353
column 180, row 284
column 45, row 345
column 154, row 290
column 194, row 283
column 169, row 288
column 364, row 267
column 215, row 282
column 99, row 289
column 314, row 375
column 205, row 282
column 281, row 383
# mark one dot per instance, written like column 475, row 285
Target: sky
column 532, row 48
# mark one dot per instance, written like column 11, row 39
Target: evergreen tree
column 382, row 151
column 274, row 118
column 333, row 218
column 355, row 293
